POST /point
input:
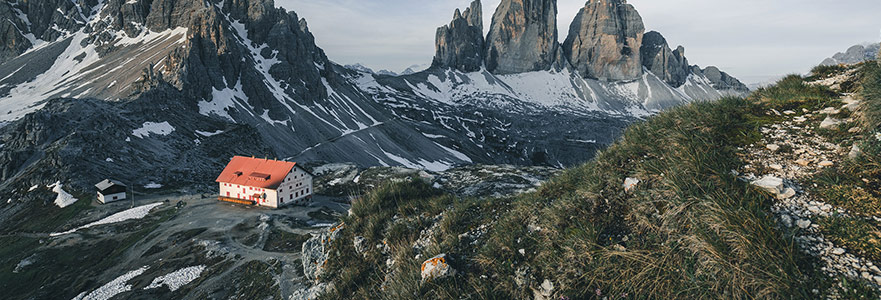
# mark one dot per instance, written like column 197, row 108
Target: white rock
column 786, row 194
column 630, row 184
column 522, row 252
column 827, row 163
column 786, row 220
column 776, row 167
column 773, row 147
column 854, row 152
column 788, row 112
column 838, row 251
column 800, row 119
column 830, row 123
column 436, row 268
column 769, row 183
column 803, row 224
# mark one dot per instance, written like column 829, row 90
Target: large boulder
column 316, row 251
column 460, row 44
column 657, row 57
column 604, row 41
column 523, row 37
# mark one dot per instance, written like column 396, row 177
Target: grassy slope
column 690, row 229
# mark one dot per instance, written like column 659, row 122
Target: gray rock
column 854, row 55
column 720, row 80
column 605, row 39
column 316, row 252
column 359, row 242
column 803, row 224
column 523, row 37
column 669, row 65
column 460, row 45
column 437, row 267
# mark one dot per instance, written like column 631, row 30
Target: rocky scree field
column 690, row 223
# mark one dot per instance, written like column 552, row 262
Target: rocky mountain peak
column 604, row 41
column 523, row 37
column 460, row 44
column 720, row 80
column 670, row 65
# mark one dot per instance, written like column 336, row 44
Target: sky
column 753, row 40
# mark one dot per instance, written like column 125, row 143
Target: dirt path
column 790, row 153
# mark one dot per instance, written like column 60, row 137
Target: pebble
column 776, row 167
column 803, row 162
column 788, row 112
column 826, row 163
column 803, row 224
column 838, row 251
column 830, row 123
column 773, row 147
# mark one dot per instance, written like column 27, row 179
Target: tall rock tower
column 604, row 41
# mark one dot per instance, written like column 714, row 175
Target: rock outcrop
column 460, row 45
column 854, row 55
column 523, row 37
column 657, row 57
column 720, row 80
column 604, row 41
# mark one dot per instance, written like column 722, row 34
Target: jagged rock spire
column 523, row 37
column 670, row 65
column 460, row 44
column 604, row 41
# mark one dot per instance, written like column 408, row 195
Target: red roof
column 256, row 172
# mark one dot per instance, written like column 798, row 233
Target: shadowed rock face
column 604, row 41
column 523, row 37
column 460, row 45
column 669, row 65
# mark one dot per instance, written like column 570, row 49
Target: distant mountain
column 414, row 69
column 365, row 69
column 854, row 55
column 516, row 96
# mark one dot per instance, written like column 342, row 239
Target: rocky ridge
column 854, row 55
column 460, row 45
column 669, row 65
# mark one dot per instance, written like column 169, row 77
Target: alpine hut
column 264, row 182
column 110, row 191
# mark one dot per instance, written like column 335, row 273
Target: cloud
column 748, row 38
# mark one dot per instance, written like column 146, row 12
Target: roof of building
column 107, row 183
column 256, row 172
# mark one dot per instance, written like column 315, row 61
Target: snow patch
column 207, row 134
column 130, row 214
column 112, row 288
column 153, row 128
column 177, row 279
column 64, row 199
column 153, row 185
column 223, row 100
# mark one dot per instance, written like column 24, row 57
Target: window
column 115, row 197
column 307, row 190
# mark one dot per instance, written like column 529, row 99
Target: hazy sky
column 753, row 40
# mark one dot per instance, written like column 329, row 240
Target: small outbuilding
column 110, row 191
column 264, row 182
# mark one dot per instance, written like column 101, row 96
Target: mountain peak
column 604, row 41
column 523, row 37
column 459, row 45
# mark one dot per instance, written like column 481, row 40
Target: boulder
column 830, row 123
column 460, row 44
column 523, row 37
column 771, row 184
column 605, row 39
column 316, row 251
column 670, row 65
column 436, row 268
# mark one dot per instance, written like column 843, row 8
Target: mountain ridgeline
column 168, row 77
column 606, row 41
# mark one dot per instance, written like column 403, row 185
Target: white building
column 264, row 182
column 110, row 191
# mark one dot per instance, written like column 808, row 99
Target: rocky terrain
column 854, row 55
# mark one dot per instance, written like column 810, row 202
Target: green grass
column 691, row 230
column 793, row 93
column 858, row 235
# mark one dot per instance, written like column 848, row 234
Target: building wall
column 109, row 198
column 296, row 188
column 248, row 193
